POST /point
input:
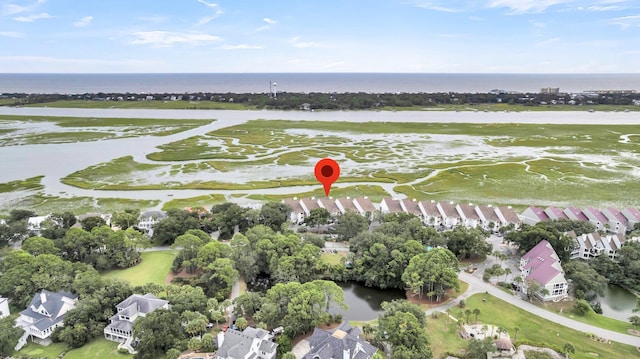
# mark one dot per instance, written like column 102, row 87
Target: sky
column 253, row 36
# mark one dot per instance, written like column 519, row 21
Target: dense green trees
column 9, row 337
column 432, row 272
column 552, row 231
column 317, row 216
column 402, row 326
column 274, row 215
column 584, row 278
column 158, row 332
column 350, row 224
column 468, row 242
column 177, row 223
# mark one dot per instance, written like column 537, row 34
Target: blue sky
column 475, row 36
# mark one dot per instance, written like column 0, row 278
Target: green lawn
column 536, row 330
column 38, row 351
column 590, row 318
column 153, row 269
column 332, row 258
column 98, row 348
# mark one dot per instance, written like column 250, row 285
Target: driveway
column 300, row 349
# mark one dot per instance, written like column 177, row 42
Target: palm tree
column 515, row 337
column 467, row 313
column 507, row 271
column 476, row 312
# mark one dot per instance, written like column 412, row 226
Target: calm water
column 311, row 82
column 617, row 303
column 364, row 302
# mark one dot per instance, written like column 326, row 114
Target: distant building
column 542, row 265
column 4, row 307
column 296, row 216
column 344, row 342
column 45, row 313
column 550, row 90
column 250, row 343
column 591, row 245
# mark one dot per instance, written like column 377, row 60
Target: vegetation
column 402, row 326
column 153, row 268
column 33, row 183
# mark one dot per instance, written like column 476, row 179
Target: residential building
column 308, row 204
column 468, row 216
column 296, row 216
column 430, row 214
column 346, row 204
column 4, row 307
column 34, row 224
column 533, row 215
column 632, row 215
column 45, row 313
column 250, row 343
column 449, row 214
column 617, row 222
column 575, row 214
column 365, row 207
column 488, row 218
column 329, row 204
column 555, row 214
column 591, row 245
column 596, row 217
column 148, row 219
column 343, row 342
column 542, row 265
column 508, row 217
column 389, row 205
column 411, row 207
column 120, row 328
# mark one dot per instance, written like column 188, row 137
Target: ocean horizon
column 67, row 83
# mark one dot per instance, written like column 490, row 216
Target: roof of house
column 237, row 344
column 542, row 263
column 555, row 213
column 411, row 206
column 347, row 204
column 366, row 204
column 430, row 208
column 613, row 214
column 53, row 303
column 631, row 214
column 310, row 203
column 575, row 214
column 392, row 204
column 469, row 211
column 537, row 212
column 329, row 204
column 449, row 209
column 488, row 212
column 509, row 214
column 137, row 303
column 334, row 344
column 294, row 204
column 594, row 214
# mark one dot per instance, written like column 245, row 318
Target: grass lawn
column 536, row 330
column 38, row 351
column 153, row 269
column 332, row 258
column 99, row 349
column 590, row 318
column 443, row 336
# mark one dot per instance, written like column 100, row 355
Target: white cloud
column 167, row 38
column 12, row 9
column 209, row 4
column 11, row 34
column 270, row 21
column 295, row 42
column 84, row 21
column 241, row 47
column 600, row 8
column 526, row 6
column 207, row 19
column 627, row 21
column 32, row 17
column 435, row 5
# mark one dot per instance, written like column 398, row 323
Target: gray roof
column 237, row 344
column 137, row 303
column 333, row 344
column 52, row 303
column 151, row 214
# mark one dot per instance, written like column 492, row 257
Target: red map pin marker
column 327, row 172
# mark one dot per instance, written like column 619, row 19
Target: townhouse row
column 609, row 219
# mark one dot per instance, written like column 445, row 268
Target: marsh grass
column 33, row 183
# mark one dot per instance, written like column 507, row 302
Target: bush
column 596, row 307
column 123, row 351
column 581, row 307
column 462, row 303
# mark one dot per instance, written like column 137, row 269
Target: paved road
column 479, row 285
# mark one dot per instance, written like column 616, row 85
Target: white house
column 575, row 214
column 390, row 205
column 329, row 204
column 555, row 214
column 591, row 245
column 508, row 217
column 533, row 215
column 616, row 220
column 296, row 216
column 632, row 215
column 250, row 343
column 468, row 215
column 345, row 204
column 430, row 214
column 148, row 219
column 34, row 224
column 308, row 204
column 448, row 213
column 45, row 313
column 4, row 307
column 488, row 217
column 542, row 265
column 120, row 328
column 596, row 218
column 412, row 207
column 364, row 206
column 343, row 342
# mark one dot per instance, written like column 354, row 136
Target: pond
column 364, row 302
column 617, row 303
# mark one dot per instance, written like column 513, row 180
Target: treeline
column 342, row 101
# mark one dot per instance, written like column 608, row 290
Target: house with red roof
column 575, row 214
column 616, row 220
column 533, row 215
column 632, row 215
column 555, row 213
column 364, row 206
column 596, row 217
column 542, row 265
column 430, row 214
column 390, row 205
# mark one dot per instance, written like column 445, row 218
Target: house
column 329, row 204
column 542, row 265
column 533, row 215
column 4, row 307
column 308, row 204
column 120, row 328
column 389, row 205
column 411, row 207
column 617, row 222
column 555, row 214
column 364, row 206
column 596, row 218
column 148, row 219
column 632, row 215
column 430, row 214
column 250, row 343
column 508, row 217
column 45, row 313
column 343, row 342
column 346, row 204
column 296, row 216
column 449, row 214
column 34, row 224
column 591, row 245
column 488, row 218
column 468, row 216
column 575, row 214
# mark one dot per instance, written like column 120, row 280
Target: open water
column 311, row 82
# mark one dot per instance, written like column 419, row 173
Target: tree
column 244, row 257
column 467, row 314
column 126, row 219
column 468, row 242
column 533, row 287
column 190, row 245
column 405, row 333
column 173, row 353
column 90, row 223
column 17, row 215
column 9, row 337
column 241, row 323
column 219, row 278
column 350, row 224
column 581, row 307
column 228, row 216
column 478, row 349
column 317, row 216
column 158, row 332
column 186, row 297
column 515, row 337
column 432, row 272
column 177, row 223
column 208, row 342
column 248, row 303
column 584, row 278
column 507, row 271
column 635, row 320
column 476, row 312
column 274, row 214
column 39, row 245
